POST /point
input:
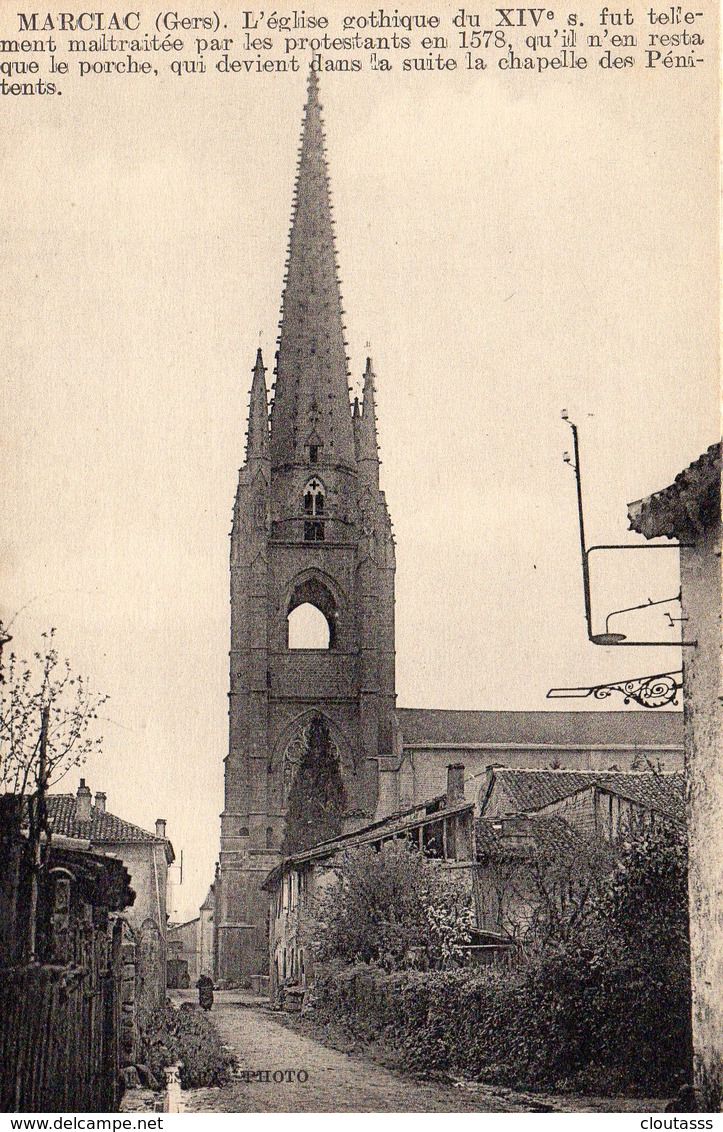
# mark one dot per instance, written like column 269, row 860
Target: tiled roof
column 545, row 837
column 103, row 827
column 404, row 821
column 662, row 793
column 689, row 506
column 430, row 726
column 514, row 791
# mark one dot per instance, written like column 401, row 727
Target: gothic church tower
column 310, row 527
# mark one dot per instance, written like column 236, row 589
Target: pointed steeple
column 365, row 423
column 311, row 403
column 257, row 443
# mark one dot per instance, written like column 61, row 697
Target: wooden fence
column 59, row 1039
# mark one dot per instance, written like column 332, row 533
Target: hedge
column 563, row 1022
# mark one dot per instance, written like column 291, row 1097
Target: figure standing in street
column 205, row 992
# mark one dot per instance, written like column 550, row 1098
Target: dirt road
column 312, row 1078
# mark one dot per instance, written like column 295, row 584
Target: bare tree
column 46, row 717
column 542, row 892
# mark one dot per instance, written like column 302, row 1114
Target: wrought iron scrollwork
column 648, row 691
column 656, row 691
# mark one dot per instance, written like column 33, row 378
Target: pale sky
column 510, row 246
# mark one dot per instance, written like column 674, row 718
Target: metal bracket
column 609, row 638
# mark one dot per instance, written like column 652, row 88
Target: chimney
column 455, row 783
column 82, row 803
column 100, row 802
column 161, row 828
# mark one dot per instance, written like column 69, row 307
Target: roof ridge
column 596, row 713
column 585, row 770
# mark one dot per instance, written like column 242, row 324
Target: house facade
column 524, row 827
column 61, row 971
column 147, row 857
column 442, row 828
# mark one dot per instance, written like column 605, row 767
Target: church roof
column 690, row 505
column 311, row 401
column 433, row 727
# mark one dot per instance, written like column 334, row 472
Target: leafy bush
column 170, row 1036
column 389, row 905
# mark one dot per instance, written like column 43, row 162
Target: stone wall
column 701, row 596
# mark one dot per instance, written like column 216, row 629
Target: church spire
column 257, row 443
column 365, row 422
column 311, row 403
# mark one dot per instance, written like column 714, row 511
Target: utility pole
column 38, row 822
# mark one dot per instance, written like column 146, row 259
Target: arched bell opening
column 311, row 617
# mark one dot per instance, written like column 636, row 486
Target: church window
column 244, row 831
column 292, row 757
column 314, row 511
column 269, row 837
column 313, row 453
column 313, row 531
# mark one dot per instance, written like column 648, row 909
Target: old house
column 443, row 828
column 312, row 568
column 689, row 511
column 543, row 836
column 147, row 857
column 528, row 832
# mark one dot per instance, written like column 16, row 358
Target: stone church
column 311, row 528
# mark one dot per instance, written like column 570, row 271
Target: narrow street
column 340, row 1082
